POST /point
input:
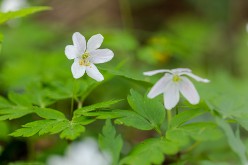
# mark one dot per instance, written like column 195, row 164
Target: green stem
column 80, row 104
column 72, row 98
column 169, row 117
column 126, row 13
column 176, row 110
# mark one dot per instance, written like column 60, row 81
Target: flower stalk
column 169, row 117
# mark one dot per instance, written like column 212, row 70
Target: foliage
column 111, row 142
column 40, row 100
column 20, row 13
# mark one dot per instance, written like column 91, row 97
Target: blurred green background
column 208, row 36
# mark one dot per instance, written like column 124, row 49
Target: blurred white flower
column 82, row 153
column 13, row 5
column 173, row 83
column 86, row 56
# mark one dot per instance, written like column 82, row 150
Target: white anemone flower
column 174, row 82
column 13, row 5
column 86, row 55
column 82, row 153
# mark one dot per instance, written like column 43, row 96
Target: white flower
column 12, row 5
column 86, row 56
column 174, row 82
column 82, row 153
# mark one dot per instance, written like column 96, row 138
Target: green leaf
column 83, row 120
column 77, row 88
column 48, row 113
column 60, row 126
column 150, row 151
column 21, row 13
column 41, row 126
column 106, row 104
column 199, row 131
column 202, row 131
column 4, row 127
column 242, row 120
column 55, row 122
column 111, row 142
column 147, row 113
column 130, row 118
column 179, row 137
column 29, row 130
column 60, row 90
column 4, row 103
column 207, row 162
column 185, row 116
column 1, row 37
column 234, row 142
column 150, row 109
column 47, row 125
column 72, row 132
column 127, row 74
column 19, row 99
column 39, row 94
column 105, row 114
column 1, row 40
column 14, row 113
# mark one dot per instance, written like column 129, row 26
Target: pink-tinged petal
column 159, row 86
column 94, row 42
column 79, row 42
column 77, row 70
column 180, row 70
column 188, row 90
column 153, row 72
column 171, row 95
column 71, row 52
column 197, row 78
column 94, row 73
column 100, row 56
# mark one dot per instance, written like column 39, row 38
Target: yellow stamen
column 84, row 60
column 176, row 78
column 85, row 55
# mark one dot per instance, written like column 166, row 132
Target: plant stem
column 72, row 98
column 80, row 104
column 176, row 110
column 169, row 117
column 126, row 14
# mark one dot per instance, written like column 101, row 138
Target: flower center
column 85, row 55
column 84, row 60
column 176, row 78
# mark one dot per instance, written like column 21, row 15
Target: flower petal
column 77, row 70
column 159, row 86
column 100, row 56
column 171, row 95
column 57, row 160
column 188, row 90
column 79, row 42
column 179, row 70
column 94, row 73
column 70, row 52
column 153, row 72
column 197, row 78
column 94, row 42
